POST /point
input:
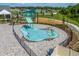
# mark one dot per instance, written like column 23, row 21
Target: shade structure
column 5, row 12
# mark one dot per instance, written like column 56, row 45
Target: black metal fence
column 30, row 51
column 23, row 43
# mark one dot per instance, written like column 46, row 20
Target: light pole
column 37, row 17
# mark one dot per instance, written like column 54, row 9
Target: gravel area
column 9, row 46
column 40, row 48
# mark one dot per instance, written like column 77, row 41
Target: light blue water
column 33, row 34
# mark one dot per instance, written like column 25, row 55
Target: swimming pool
column 35, row 34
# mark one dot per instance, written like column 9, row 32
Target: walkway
column 72, row 26
column 40, row 48
column 9, row 46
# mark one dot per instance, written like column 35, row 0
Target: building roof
column 5, row 12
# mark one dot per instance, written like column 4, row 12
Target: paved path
column 72, row 26
column 8, row 43
column 41, row 47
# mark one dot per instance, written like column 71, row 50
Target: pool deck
column 9, row 46
column 40, row 48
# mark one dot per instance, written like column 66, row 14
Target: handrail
column 25, row 46
column 22, row 43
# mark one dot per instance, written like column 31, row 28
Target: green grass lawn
column 60, row 17
column 57, row 17
column 73, row 21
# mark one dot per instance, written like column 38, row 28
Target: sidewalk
column 9, row 46
column 72, row 26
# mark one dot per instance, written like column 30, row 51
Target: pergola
column 4, row 13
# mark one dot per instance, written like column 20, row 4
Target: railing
column 30, row 51
column 69, row 32
column 23, row 43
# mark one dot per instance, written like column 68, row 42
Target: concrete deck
column 40, row 48
column 9, row 46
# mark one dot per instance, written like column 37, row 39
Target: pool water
column 35, row 34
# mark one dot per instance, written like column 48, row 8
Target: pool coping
column 24, row 45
